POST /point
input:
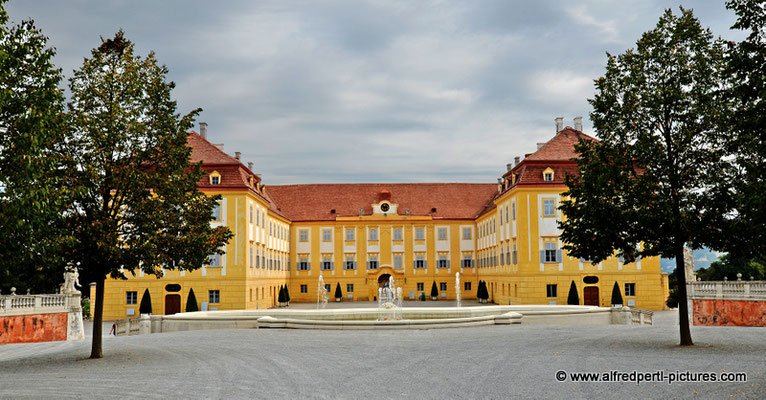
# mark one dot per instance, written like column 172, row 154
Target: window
column 327, row 263
column 506, row 214
column 214, row 296
column 549, row 208
column 327, row 287
column 420, row 234
column 326, row 235
column 251, row 213
column 373, row 234
column 551, row 290
column 467, row 286
column 550, row 252
column 397, row 233
column 420, row 261
column 372, row 263
column 443, row 262
column 303, row 235
column 251, row 256
column 350, row 234
column 466, row 233
column 304, row 288
column 350, row 264
column 217, row 211
column 513, row 211
column 630, row 289
column 515, row 255
column 501, row 216
column 467, row 261
column 442, row 233
column 349, row 288
column 303, row 264
column 502, row 257
column 214, row 260
column 548, row 176
column 443, row 286
column 215, row 179
column 131, row 298
column 420, row 286
column 398, row 261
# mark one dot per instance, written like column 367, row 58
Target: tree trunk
column 96, row 350
column 683, row 309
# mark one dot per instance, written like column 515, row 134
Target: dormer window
column 548, row 175
column 215, row 178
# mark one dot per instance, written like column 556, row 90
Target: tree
column 32, row 194
column 191, row 302
column 726, row 267
column 434, row 291
column 616, row 295
column 640, row 189
column 573, row 299
column 281, row 296
column 338, row 293
column 135, row 203
column 744, row 133
column 287, row 294
column 146, row 303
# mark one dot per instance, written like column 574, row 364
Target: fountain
column 321, row 293
column 389, row 302
column 457, row 289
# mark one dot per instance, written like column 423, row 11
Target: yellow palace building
column 358, row 235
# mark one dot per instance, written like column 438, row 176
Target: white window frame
column 467, row 234
column 372, row 234
column 350, row 234
column 549, row 207
column 420, row 233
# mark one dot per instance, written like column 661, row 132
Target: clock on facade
column 384, row 207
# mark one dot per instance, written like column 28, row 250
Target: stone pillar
column 144, row 324
column 75, row 329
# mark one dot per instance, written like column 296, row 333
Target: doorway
column 172, row 304
column 383, row 280
column 590, row 296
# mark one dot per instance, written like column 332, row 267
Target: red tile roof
column 561, row 147
column 202, row 150
column 314, row 202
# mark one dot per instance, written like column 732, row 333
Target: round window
column 590, row 279
column 173, row 287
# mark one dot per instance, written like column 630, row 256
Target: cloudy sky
column 371, row 91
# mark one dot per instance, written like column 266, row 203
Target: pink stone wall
column 729, row 312
column 33, row 328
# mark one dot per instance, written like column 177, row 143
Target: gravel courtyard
column 484, row 362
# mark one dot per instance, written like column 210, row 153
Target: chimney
column 516, row 160
column 237, row 154
column 559, row 124
column 203, row 129
column 578, row 124
column 499, row 184
column 250, row 166
column 540, row 145
column 508, row 167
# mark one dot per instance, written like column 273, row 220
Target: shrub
column 422, row 296
column 616, row 296
column 434, row 291
column 287, row 294
column 146, row 303
column 573, row 299
column 191, row 302
column 281, row 296
column 85, row 304
column 338, row 293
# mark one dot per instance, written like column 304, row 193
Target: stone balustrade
column 36, row 304
column 728, row 290
column 641, row 317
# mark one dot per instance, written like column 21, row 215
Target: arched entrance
column 590, row 296
column 172, row 304
column 383, row 280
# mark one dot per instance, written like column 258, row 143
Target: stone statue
column 689, row 265
column 71, row 278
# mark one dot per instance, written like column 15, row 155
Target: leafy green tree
column 32, row 128
column 146, row 303
column 726, row 267
column 616, row 295
column 742, row 186
column 434, row 291
column 136, row 204
column 338, row 293
column 573, row 299
column 640, row 190
column 191, row 302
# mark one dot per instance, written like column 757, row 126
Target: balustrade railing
column 736, row 290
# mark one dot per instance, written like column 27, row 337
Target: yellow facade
column 511, row 243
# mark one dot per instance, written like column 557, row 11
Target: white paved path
column 484, row 362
